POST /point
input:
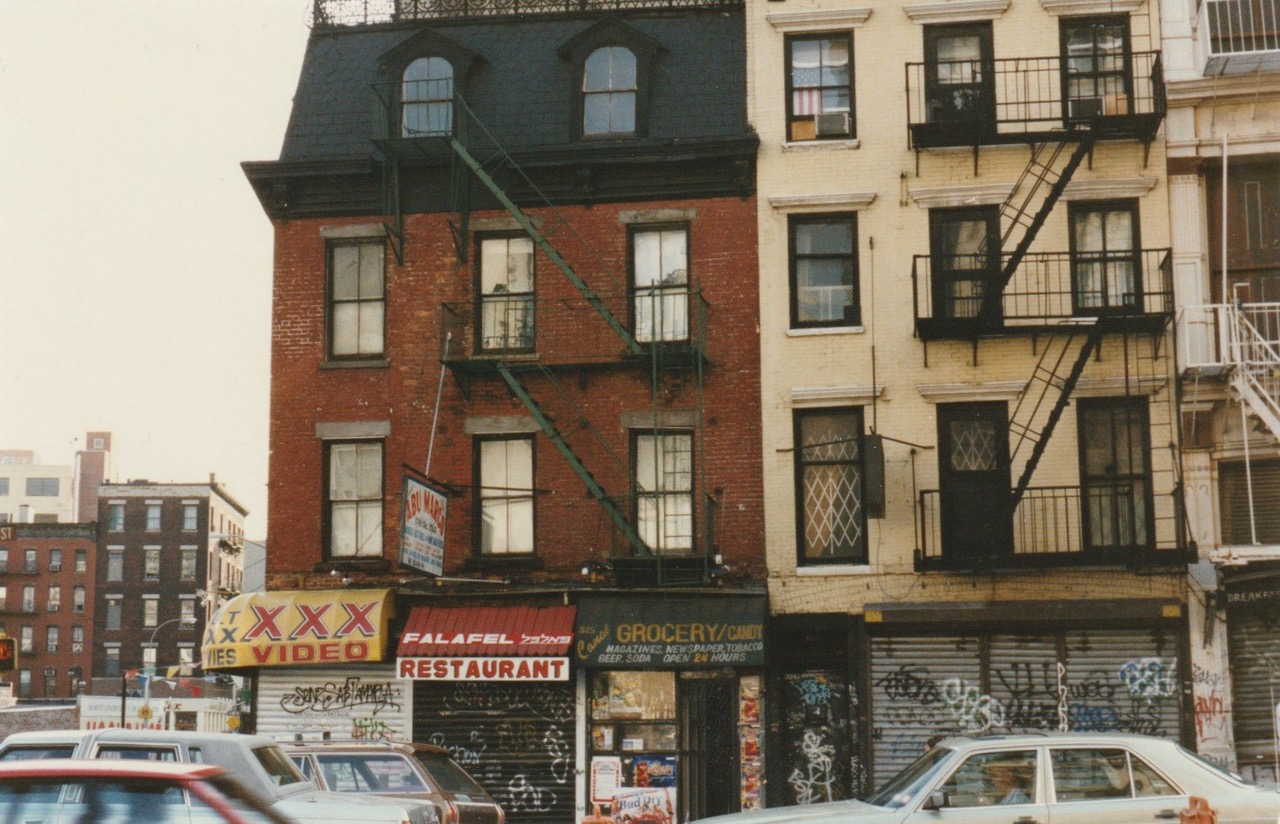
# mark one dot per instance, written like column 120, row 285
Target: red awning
column 487, row 631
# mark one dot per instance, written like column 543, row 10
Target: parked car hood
column 319, row 805
column 811, row 813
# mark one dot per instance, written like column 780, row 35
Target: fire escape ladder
column 1016, row 212
column 559, row 434
column 1256, row 361
column 1048, row 376
column 470, row 129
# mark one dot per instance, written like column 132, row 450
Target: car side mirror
column 937, row 800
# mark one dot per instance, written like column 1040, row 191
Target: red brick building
column 521, row 275
column 46, row 594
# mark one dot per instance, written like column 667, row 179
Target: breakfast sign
column 291, row 628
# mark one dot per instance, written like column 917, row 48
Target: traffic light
column 8, row 653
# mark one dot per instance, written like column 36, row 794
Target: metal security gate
column 1095, row 680
column 1255, row 685
column 515, row 739
column 357, row 702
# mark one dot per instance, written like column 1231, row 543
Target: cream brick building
column 943, row 557
column 1223, row 134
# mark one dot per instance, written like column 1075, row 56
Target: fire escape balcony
column 1238, row 36
column 1029, row 99
column 1103, row 524
column 1241, row 342
column 567, row 331
column 1134, row 290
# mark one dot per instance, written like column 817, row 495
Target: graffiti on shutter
column 516, row 739
column 819, row 739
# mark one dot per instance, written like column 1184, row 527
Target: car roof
column 362, row 746
column 45, row 737
column 95, row 768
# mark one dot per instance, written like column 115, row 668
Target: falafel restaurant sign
column 298, row 628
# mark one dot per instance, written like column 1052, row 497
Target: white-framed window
column 664, row 491
column 55, row 560
column 609, row 86
column 115, row 517
column 77, row 598
column 354, row 502
column 26, row 638
column 54, row 602
column 357, row 302
column 186, row 655
column 506, row 495
column 187, row 614
column 51, row 639
column 115, row 564
column 153, row 517
column 507, row 294
column 114, row 613
column 29, row 598
column 426, row 98
column 82, row 560
column 190, row 517
column 188, row 563
column 660, row 283
column 150, row 612
column 151, row 563
column 149, row 656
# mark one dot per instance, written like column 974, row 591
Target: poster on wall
column 606, row 778
column 422, row 525
column 750, row 735
column 647, row 805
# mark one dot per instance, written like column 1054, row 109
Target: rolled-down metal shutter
column 359, row 702
column 909, row 676
column 1096, row 680
column 515, row 739
column 1255, row 683
column 1238, row 519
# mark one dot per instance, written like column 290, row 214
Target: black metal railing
column 1101, row 524
column 341, row 13
column 1009, row 99
column 1047, row 287
column 568, row 329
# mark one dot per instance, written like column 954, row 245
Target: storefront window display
column 634, row 738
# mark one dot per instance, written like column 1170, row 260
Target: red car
column 70, row 791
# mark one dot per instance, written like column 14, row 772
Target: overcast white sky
column 135, row 261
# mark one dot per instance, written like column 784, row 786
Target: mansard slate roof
column 520, row 87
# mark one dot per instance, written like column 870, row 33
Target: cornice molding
column 1109, row 189
column 1092, row 7
column 852, row 394
column 964, row 392
column 839, row 201
column 945, row 197
column 1222, row 87
column 956, row 11
column 824, row 20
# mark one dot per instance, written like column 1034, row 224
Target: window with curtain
column 506, row 294
column 354, row 499
column 829, row 486
column 824, row 271
column 664, row 491
column 609, row 92
column 1104, row 257
column 426, row 98
column 506, row 496
column 660, row 283
column 357, row 303
column 820, row 84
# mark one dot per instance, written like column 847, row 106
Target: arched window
column 426, row 98
column 609, row 92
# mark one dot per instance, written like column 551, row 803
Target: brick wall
column 402, row 390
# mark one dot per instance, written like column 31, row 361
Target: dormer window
column 426, row 98
column 609, row 92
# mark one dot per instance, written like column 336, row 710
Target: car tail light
column 451, row 815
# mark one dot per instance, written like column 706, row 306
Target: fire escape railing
column 1244, row 338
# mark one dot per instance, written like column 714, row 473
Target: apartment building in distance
column 972, row 489
column 35, row 492
column 46, row 586
column 168, row 555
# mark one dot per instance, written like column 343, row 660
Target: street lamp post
column 146, row 686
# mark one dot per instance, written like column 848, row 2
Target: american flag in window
column 819, row 76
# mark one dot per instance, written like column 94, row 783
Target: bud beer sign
column 422, row 527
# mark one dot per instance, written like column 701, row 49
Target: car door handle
column 1167, row 814
column 1026, row 819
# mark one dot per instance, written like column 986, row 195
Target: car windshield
column 448, row 775
column 278, row 766
column 1214, row 768
column 907, row 784
column 362, row 773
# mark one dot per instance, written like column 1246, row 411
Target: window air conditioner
column 52, row 648
column 55, row 567
column 834, row 124
column 1086, row 108
column 77, row 647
